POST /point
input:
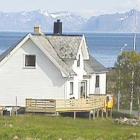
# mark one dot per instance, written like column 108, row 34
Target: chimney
column 37, row 30
column 57, row 27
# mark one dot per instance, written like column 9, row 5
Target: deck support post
column 90, row 115
column 74, row 115
column 102, row 113
column 93, row 117
column 106, row 113
column 97, row 113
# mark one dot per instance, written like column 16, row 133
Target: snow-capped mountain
column 118, row 22
column 25, row 21
column 72, row 22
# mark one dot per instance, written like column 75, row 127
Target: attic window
column 30, row 60
column 78, row 61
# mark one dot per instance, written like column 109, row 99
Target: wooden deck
column 70, row 105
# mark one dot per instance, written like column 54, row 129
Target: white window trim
column 28, row 67
column 96, row 81
column 71, row 94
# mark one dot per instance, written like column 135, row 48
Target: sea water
column 105, row 47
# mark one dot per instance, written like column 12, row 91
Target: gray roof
column 93, row 66
column 47, row 48
column 63, row 49
column 65, row 46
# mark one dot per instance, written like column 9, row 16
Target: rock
column 133, row 136
column 125, row 119
column 10, row 125
column 15, row 138
column 132, row 122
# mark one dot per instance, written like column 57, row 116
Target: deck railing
column 40, row 105
column 82, row 104
column 68, row 105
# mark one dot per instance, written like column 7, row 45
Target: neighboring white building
column 53, row 66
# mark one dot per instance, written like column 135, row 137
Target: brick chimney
column 57, row 27
column 37, row 30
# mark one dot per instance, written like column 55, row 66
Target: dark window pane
column 97, row 81
column 30, row 60
column 83, row 89
column 78, row 61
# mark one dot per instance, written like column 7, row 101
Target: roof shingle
column 65, row 46
column 93, row 66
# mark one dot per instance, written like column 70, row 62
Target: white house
column 53, row 66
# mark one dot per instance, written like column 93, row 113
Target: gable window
column 71, row 88
column 78, row 61
column 30, row 60
column 97, row 85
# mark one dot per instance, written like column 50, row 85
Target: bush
column 116, row 114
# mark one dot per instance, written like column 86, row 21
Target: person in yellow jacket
column 109, row 102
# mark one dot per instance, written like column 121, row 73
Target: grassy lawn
column 59, row 128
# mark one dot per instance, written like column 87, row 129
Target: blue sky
column 83, row 6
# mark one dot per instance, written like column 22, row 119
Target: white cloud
column 135, row 3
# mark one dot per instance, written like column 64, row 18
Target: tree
column 128, row 73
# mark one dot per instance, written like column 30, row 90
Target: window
column 78, row 61
column 71, row 88
column 97, row 81
column 30, row 60
column 83, row 89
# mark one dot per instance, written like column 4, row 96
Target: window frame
column 97, row 81
column 26, row 66
column 71, row 88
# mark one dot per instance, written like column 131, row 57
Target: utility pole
column 119, row 93
column 133, row 71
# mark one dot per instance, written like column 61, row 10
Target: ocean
column 105, row 47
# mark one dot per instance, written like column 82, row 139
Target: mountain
column 72, row 22
column 118, row 22
column 25, row 21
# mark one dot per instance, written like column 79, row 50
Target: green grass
column 59, row 128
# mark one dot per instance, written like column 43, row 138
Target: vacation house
column 49, row 66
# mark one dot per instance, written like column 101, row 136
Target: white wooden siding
column 45, row 81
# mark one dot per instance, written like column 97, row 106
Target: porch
column 68, row 105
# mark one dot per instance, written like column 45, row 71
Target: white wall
column 45, row 81
column 79, row 78
column 103, row 83
column 102, row 80
column 79, row 71
column 92, row 84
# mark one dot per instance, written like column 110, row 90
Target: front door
column 83, row 89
